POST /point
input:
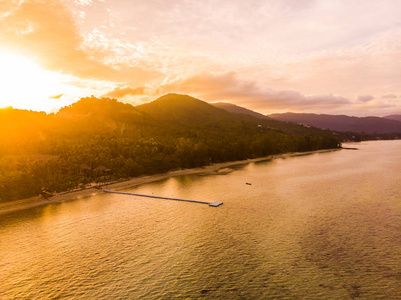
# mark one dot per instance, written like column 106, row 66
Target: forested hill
column 184, row 110
column 96, row 140
column 342, row 123
column 393, row 117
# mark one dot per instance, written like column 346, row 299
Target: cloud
column 122, row 92
column 83, row 2
column 46, row 31
column 389, row 96
column 291, row 55
column 228, row 87
column 365, row 98
column 56, row 96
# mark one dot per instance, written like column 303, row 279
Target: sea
column 317, row 226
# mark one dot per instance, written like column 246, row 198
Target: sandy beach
column 214, row 169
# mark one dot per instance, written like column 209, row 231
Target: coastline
column 214, row 169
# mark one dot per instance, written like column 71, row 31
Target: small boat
column 249, row 183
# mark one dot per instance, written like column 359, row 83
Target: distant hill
column 342, row 123
column 393, row 117
column 238, row 110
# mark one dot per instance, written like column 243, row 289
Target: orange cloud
column 56, row 96
column 121, row 92
column 46, row 30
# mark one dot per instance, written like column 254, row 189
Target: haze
column 336, row 57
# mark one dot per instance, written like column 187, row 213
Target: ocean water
column 319, row 226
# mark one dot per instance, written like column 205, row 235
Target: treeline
column 102, row 140
column 359, row 137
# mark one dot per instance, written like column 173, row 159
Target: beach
column 214, row 169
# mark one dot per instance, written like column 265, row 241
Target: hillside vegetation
column 98, row 140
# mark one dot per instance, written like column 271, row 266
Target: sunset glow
column 25, row 85
column 270, row 56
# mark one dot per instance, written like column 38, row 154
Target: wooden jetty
column 214, row 204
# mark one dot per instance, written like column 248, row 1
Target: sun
column 25, row 85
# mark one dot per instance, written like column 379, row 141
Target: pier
column 213, row 204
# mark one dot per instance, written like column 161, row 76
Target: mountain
column 342, row 123
column 97, row 115
column 92, row 106
column 184, row 110
column 393, row 117
column 187, row 112
column 238, row 110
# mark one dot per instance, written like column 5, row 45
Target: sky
column 271, row 56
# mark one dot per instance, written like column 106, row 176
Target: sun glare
column 25, row 85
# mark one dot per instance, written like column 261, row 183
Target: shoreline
column 214, row 169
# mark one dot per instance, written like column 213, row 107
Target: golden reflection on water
column 322, row 226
